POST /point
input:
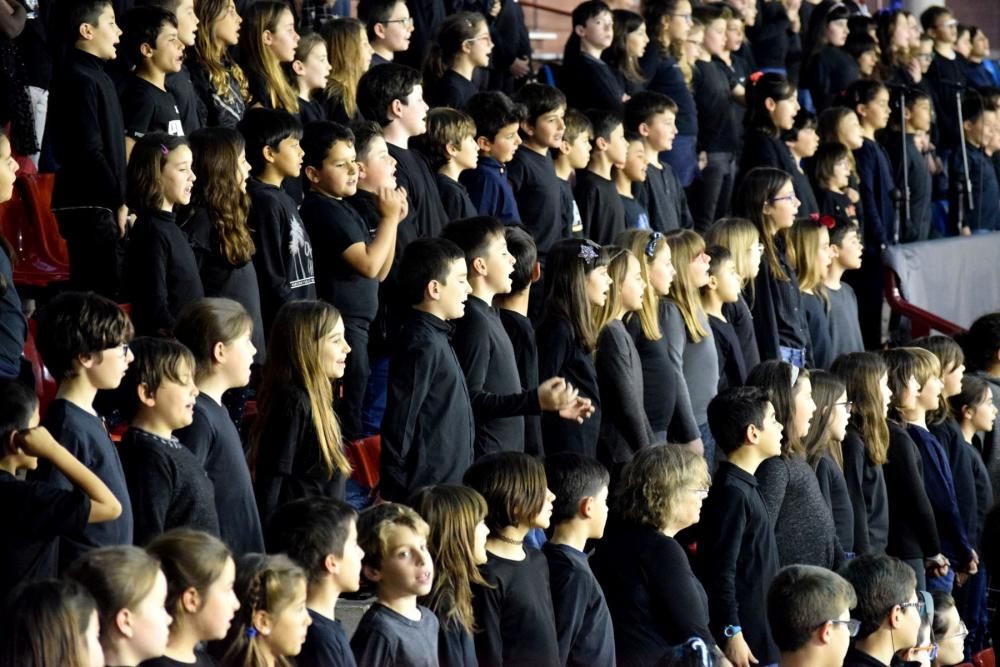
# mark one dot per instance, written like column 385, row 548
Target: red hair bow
column 825, row 220
column 755, row 77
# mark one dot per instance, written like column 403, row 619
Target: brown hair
column 651, row 483
column 951, row 356
column 826, row 389
column 862, row 373
column 343, row 45
column 263, row 16
column 617, row 269
column 907, row 362
column 204, row 323
column 686, row 246
column 45, row 623
column 145, row 170
column 215, row 56
column 157, row 360
column 513, row 485
column 445, row 127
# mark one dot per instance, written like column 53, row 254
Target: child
column 160, row 268
column 723, row 288
column 321, row 535
column 651, row 116
column 810, row 255
column 87, row 133
column 428, row 430
column 457, row 544
column 350, row 55
column 350, row 260
column 630, row 176
column 771, row 108
column 628, row 45
column 573, row 156
column 517, row 624
column 284, row 255
column 218, row 80
column 803, row 141
column 218, row 333
column 396, row 630
column 828, row 68
column 497, row 121
column 981, row 345
column 945, row 74
column 389, row 28
column 532, row 172
column 462, row 44
column 310, row 72
column 846, row 251
column 193, row 112
column 831, row 176
column 977, row 209
column 376, row 171
column 737, row 553
column 296, row 446
column 450, row 144
column 767, row 198
column 601, row 208
column 83, row 340
column 588, row 81
column 888, row 608
column 45, row 512
column 916, row 118
column 809, row 611
column 742, row 239
column 200, row 573
column 151, row 43
column 131, row 593
column 870, row 101
column 949, row 630
column 272, row 621
column 393, row 97
column 168, row 486
column 266, row 41
column 51, row 622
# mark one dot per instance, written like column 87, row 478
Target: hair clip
column 251, row 632
column 163, row 149
column 827, row 221
column 654, row 238
column 587, row 253
column 755, row 77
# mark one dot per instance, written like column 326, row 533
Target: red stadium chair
column 365, row 456
column 28, row 224
column 984, row 659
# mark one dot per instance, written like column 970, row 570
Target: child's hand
column 555, row 394
column 390, row 203
column 520, row 68
column 739, row 653
column 581, row 409
column 36, row 442
column 853, row 195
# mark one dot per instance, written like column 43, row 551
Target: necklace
column 507, row 540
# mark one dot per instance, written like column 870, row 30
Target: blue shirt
column 490, row 191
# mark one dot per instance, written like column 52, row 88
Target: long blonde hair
column 803, row 248
column 686, row 246
column 263, row 16
column 617, row 268
column 646, row 245
column 343, row 46
column 861, row 373
column 739, row 236
column 213, row 55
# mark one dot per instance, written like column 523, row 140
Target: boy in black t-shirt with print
column 601, row 208
column 573, row 156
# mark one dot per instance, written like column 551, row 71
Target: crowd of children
column 610, row 332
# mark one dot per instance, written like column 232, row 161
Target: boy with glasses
column 945, row 76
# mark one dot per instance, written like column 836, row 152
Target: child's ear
column 643, row 130
column 579, row 30
column 362, row 171
column 527, row 128
column 433, row 290
column 312, row 174
column 331, row 564
column 379, row 30
column 771, row 105
column 586, row 506
column 451, row 150
column 752, row 434
column 191, row 600
column 600, row 144
column 123, row 622
column 146, row 397
column 824, row 634
column 298, row 67
column 536, row 272
column 269, row 153
column 395, row 109
column 713, row 283
column 484, row 144
column 479, row 266
column 564, row 147
column 146, row 49
column 261, row 622
column 219, row 349
column 9, row 447
column 85, row 31
column 371, row 573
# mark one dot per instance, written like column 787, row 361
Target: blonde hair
column 803, row 248
column 646, row 245
column 343, row 45
column 739, row 236
column 215, row 56
column 686, row 246
column 617, row 269
column 263, row 16
column 862, row 373
column 376, row 526
column 651, row 483
column 907, row 362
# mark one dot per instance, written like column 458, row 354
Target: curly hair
column 215, row 56
column 652, row 482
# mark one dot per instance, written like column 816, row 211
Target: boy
column 376, row 170
column 724, row 286
column 450, row 144
column 573, row 155
column 497, row 121
column 627, row 176
column 169, row 488
column 600, row 206
column 87, row 134
column 945, row 76
column 393, row 97
column 284, row 257
column 917, row 115
column 396, row 630
column 737, row 553
column 321, row 535
column 40, row 513
column 351, row 261
column 846, row 251
column 651, row 115
column 194, row 115
column 389, row 28
column 887, row 607
column 83, row 340
column 532, row 172
column 809, row 609
column 485, row 351
column 579, row 513
column 151, row 42
column 979, row 121
column 428, row 429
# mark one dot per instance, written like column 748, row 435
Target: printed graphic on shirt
column 300, row 270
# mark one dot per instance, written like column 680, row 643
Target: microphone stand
column 906, row 173
column 966, row 179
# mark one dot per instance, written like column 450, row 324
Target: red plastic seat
column 984, row 659
column 365, row 456
column 27, row 222
column 45, row 384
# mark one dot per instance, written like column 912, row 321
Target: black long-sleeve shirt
column 913, row 532
column 985, row 190
column 521, row 333
column 536, row 189
column 454, row 198
column 662, row 195
column 426, row 216
column 918, row 226
column 763, row 150
column 601, row 208
column 777, row 308
column 589, row 83
column 833, row 486
column 451, row 90
column 583, row 622
column 875, row 176
column 972, row 481
column 869, row 499
column 945, row 78
column 625, row 428
column 828, row 74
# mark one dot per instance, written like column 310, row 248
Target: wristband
column 731, row 631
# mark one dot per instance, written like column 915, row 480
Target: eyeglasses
column 651, row 246
column 406, row 23
column 962, row 633
column 790, row 197
column 758, row 248
column 852, row 625
column 918, row 605
column 847, row 405
column 485, row 37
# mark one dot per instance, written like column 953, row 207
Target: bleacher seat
column 27, row 222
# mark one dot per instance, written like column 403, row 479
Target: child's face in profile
column 930, row 394
column 238, row 360
column 598, row 282
column 635, row 162
column 770, row 435
column 600, row 509
column 734, row 34
column 283, row 41
column 173, row 401
column 178, row 178
column 466, row 154
column 105, row 369
column 218, row 606
column 544, row 518
column 661, row 270
column 715, row 37
column 338, row 173
column 378, row 168
column 848, row 254
column 841, row 174
column 504, row 144
column 349, row 564
column 333, row 351
column 499, row 265
column 395, row 32
column 243, row 170
column 287, row 157
column 482, row 532
column 984, row 415
column 289, row 625
column 727, row 282
column 548, row 129
column 952, row 376
column 617, row 146
column 151, row 622
column 633, row 287
column 314, row 71
column 454, row 291
column 413, row 112
column 187, row 22
column 839, row 419
column 578, row 151
column 661, row 131
column 806, row 142
column 226, row 27
column 93, row 653
column 803, row 405
column 8, row 170
column 407, row 567
column 102, row 36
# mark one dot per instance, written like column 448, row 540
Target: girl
column 567, row 337
column 625, row 429
column 865, row 446
column 587, row 80
column 665, row 396
column 628, row 45
column 824, row 452
column 268, row 41
column 200, row 574
column 913, row 526
column 457, row 542
column 218, row 80
column 463, row 44
column 219, row 333
column 802, row 142
column 831, row 177
column 51, row 622
column 216, row 223
column 828, row 69
column 803, row 525
column 350, row 55
column 131, row 593
column 767, row 198
column 272, row 619
column 981, row 344
column 840, row 125
column 688, row 331
column 810, row 256
column 161, row 274
column 296, row 447
column 516, row 624
column 742, row 240
column 310, row 72
column 870, row 102
column 12, row 318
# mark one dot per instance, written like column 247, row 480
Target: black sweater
column 583, row 622
column 601, row 208
column 777, row 308
column 662, row 195
column 536, row 188
column 590, row 84
column 866, row 488
column 913, row 530
column 625, row 428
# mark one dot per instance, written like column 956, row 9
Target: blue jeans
column 709, row 442
column 796, row 356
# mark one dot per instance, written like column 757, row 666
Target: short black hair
column 804, row 120
column 859, row 43
column 319, row 137
column 881, row 582
column 364, row 132
column 604, row 123
column 492, row 111
column 521, row 246
column 266, row 127
column 425, row 260
column 642, row 106
column 371, row 12
column 308, row 529
column 801, row 599
column 143, row 25
column 69, row 16
column 974, row 106
column 473, row 235
column 379, row 86
column 717, row 254
column 732, row 411
column 572, row 477
column 157, row 360
column 77, row 324
column 17, row 406
column 539, row 99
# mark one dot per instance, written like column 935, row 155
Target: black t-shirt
column 426, row 216
column 201, row 659
column 221, row 110
column 451, row 90
column 836, row 204
column 334, row 226
column 455, row 646
column 570, row 224
column 663, row 198
column 522, row 338
column 194, row 115
column 454, row 198
column 326, row 644
column 147, row 109
column 533, row 179
column 311, row 111
column 711, row 86
column 636, row 216
column 213, row 439
column 600, row 207
column 386, row 637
